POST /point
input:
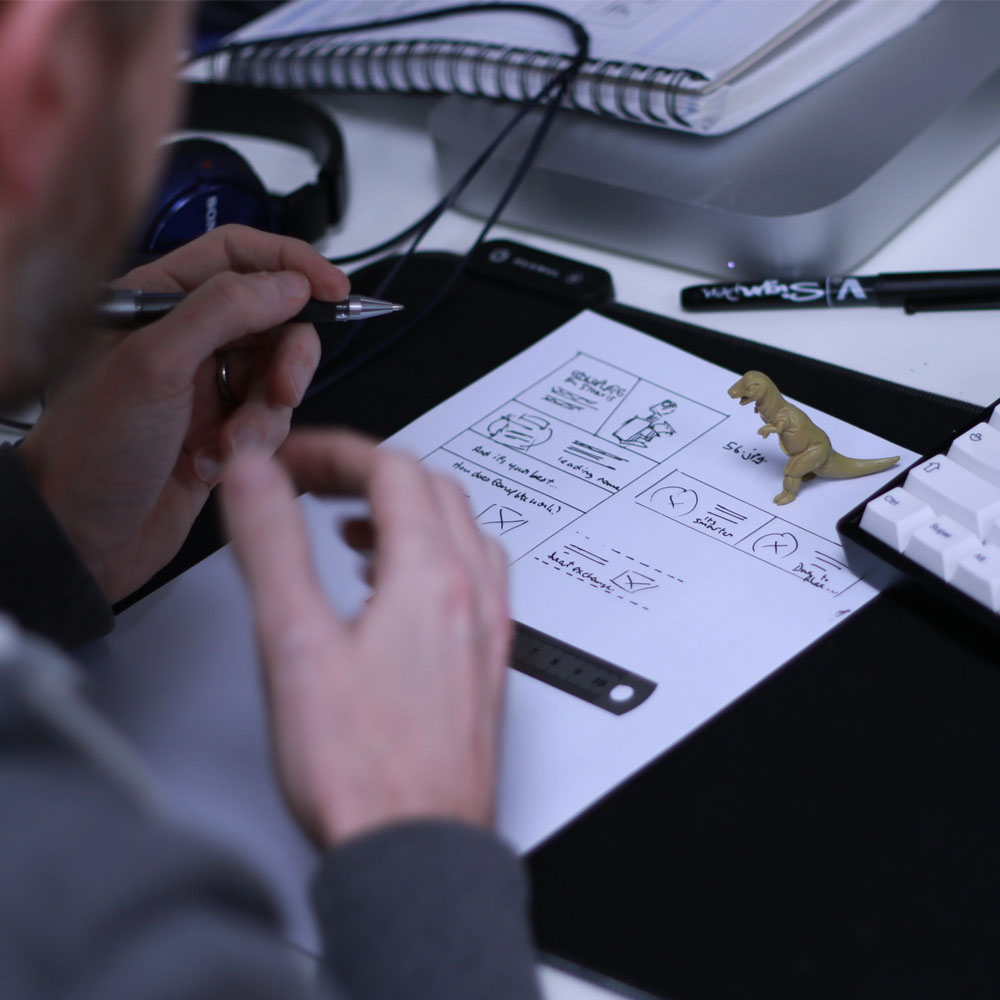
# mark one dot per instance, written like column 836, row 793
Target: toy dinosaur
column 808, row 448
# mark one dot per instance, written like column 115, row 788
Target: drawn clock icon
column 677, row 501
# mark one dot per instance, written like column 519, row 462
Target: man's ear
column 50, row 86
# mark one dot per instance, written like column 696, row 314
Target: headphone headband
column 207, row 183
column 272, row 114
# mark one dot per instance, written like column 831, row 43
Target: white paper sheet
column 635, row 500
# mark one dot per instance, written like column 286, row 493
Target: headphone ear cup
column 205, row 184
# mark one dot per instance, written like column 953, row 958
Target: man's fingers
column 503, row 626
column 486, row 564
column 255, row 425
column 469, row 542
column 405, row 507
column 293, row 364
column 274, row 378
column 281, row 361
column 329, row 463
column 241, row 249
column 271, row 543
column 225, row 308
column 459, row 520
column 419, row 519
column 359, row 534
column 414, row 540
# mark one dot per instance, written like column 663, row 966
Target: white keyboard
column 939, row 521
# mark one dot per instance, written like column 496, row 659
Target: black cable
column 560, row 83
column 580, row 37
column 451, row 196
column 322, row 382
column 553, row 92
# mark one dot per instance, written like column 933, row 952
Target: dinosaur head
column 751, row 388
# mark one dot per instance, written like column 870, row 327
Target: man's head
column 88, row 88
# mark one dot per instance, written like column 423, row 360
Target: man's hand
column 394, row 715
column 129, row 447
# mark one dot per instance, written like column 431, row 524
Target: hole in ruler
column 621, row 692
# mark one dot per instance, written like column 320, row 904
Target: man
column 384, row 728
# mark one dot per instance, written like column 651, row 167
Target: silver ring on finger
column 222, row 380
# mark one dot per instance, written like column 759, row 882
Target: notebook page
column 826, row 48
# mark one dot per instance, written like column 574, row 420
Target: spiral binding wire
column 318, row 61
column 311, row 60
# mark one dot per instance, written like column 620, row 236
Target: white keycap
column 940, row 544
column 978, row 450
column 894, row 516
column 995, row 418
column 992, row 536
column 978, row 575
column 955, row 491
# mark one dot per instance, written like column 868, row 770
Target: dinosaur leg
column 798, row 467
column 789, row 489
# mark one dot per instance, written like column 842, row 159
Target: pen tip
column 396, row 307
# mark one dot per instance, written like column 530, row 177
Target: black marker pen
column 916, row 292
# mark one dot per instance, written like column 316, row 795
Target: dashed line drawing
column 601, row 587
column 521, row 432
column 501, row 519
column 606, row 569
column 633, row 582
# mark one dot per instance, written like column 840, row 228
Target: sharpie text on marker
column 913, row 292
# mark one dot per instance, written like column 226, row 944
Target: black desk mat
column 834, row 832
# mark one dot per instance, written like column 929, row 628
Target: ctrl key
column 940, row 544
column 894, row 516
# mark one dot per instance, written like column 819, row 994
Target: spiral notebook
column 702, row 66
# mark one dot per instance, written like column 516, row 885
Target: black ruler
column 577, row 672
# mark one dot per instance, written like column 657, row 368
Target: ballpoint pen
column 126, row 309
column 917, row 291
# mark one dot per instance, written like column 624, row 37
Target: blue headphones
column 207, row 183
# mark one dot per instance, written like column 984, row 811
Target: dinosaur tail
column 841, row 467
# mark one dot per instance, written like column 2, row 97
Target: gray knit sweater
column 102, row 898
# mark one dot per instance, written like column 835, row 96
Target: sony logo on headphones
column 211, row 212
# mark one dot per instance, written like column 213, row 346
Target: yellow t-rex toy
column 808, row 448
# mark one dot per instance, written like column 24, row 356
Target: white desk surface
column 393, row 181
